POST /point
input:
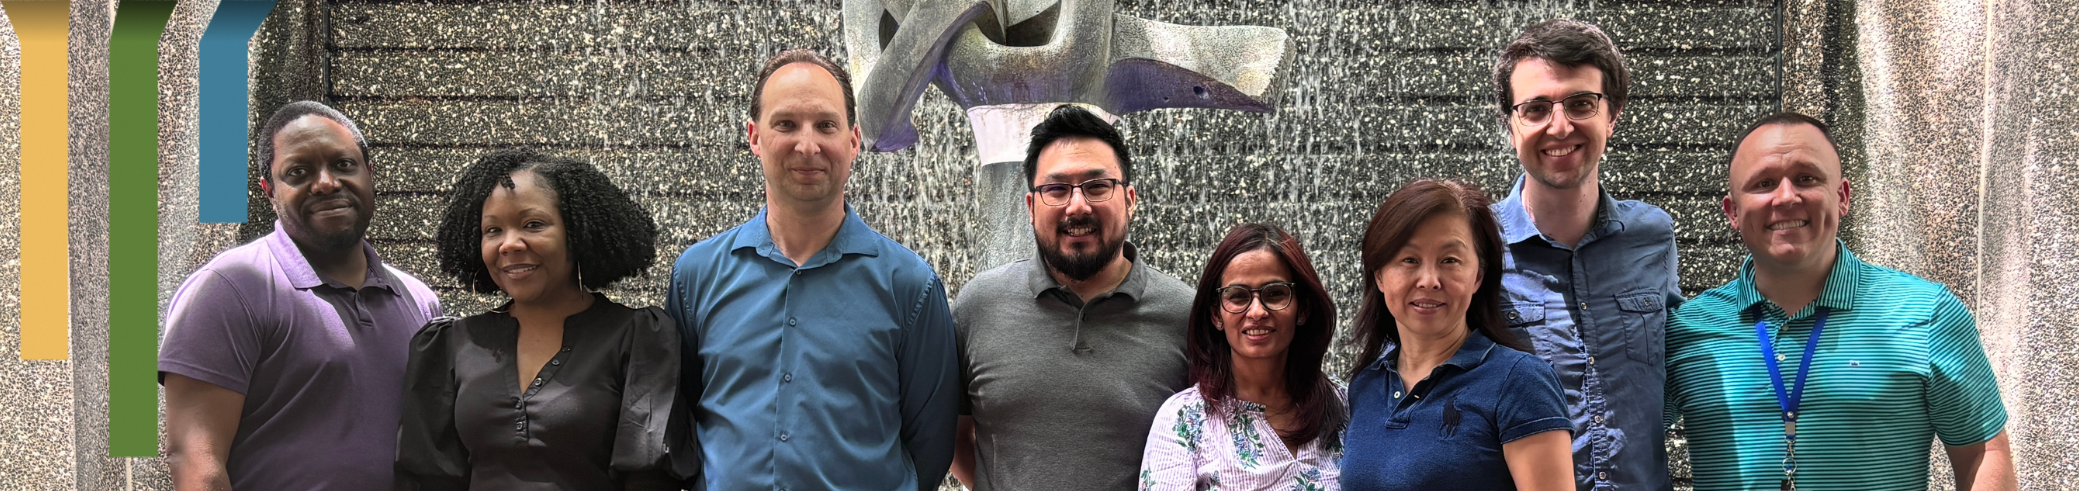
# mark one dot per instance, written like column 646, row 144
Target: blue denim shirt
column 839, row 373
column 1596, row 312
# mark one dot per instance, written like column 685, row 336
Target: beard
column 1078, row 266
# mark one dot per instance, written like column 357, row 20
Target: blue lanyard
column 1789, row 401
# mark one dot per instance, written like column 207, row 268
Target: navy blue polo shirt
column 1447, row 431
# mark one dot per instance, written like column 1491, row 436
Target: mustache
column 1071, row 222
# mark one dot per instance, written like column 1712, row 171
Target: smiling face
column 525, row 242
column 1564, row 153
column 1787, row 196
column 1429, row 283
column 1259, row 333
column 803, row 141
column 1079, row 238
column 322, row 189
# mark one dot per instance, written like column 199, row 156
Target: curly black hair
column 610, row 236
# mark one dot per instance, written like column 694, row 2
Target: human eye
column 1276, row 292
column 490, row 231
column 536, row 224
column 1535, row 109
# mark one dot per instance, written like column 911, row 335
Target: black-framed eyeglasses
column 1538, row 112
column 1275, row 296
column 1094, row 191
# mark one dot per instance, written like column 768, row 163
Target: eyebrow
column 1576, row 94
column 1091, row 173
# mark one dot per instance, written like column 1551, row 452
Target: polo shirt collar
column 1470, row 354
column 1838, row 294
column 304, row 277
column 853, row 237
column 1517, row 226
column 1037, row 279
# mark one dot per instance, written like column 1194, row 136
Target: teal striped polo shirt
column 1898, row 365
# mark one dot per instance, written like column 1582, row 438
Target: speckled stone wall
column 654, row 93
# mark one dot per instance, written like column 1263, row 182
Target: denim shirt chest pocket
column 1644, row 319
column 1523, row 318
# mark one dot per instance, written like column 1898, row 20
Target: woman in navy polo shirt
column 1442, row 397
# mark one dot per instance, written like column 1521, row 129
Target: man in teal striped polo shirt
column 1889, row 361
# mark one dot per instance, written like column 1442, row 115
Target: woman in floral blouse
column 1260, row 413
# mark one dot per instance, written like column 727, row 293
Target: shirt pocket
column 1644, row 319
column 1523, row 319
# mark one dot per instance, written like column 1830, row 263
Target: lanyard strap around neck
column 1789, row 401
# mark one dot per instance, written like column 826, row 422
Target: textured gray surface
column 1971, row 182
column 36, row 426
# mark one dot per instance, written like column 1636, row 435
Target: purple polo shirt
column 321, row 364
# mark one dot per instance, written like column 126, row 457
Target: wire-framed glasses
column 1094, row 191
column 1538, row 112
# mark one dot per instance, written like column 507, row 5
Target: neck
column 1793, row 287
column 1421, row 354
column 803, row 229
column 1260, row 381
column 1106, row 280
column 1562, row 214
column 552, row 308
column 348, row 265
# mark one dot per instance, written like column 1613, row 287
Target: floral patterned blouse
column 1187, row 450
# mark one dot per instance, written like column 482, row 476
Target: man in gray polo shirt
column 284, row 357
column 1067, row 357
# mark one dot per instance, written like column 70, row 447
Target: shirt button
column 791, row 321
column 1598, row 419
column 537, row 382
column 787, row 377
column 783, row 437
column 1591, row 360
column 554, row 363
column 1396, row 394
column 1779, row 357
column 1602, row 476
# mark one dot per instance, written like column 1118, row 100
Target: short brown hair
column 792, row 56
column 1569, row 43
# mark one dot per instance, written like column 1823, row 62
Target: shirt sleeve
column 430, row 454
column 1963, row 397
column 1531, row 401
column 651, row 445
column 1674, row 285
column 931, row 389
column 212, row 335
column 1168, row 457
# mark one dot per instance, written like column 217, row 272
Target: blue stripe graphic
column 224, row 105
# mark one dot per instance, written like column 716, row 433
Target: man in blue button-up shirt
column 825, row 350
column 1588, row 278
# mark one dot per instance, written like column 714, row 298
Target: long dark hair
column 1392, row 226
column 1320, row 413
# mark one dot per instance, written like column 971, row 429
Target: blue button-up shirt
column 838, row 373
column 1596, row 312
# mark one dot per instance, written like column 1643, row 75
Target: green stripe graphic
column 133, row 228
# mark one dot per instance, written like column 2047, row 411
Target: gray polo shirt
column 1062, row 392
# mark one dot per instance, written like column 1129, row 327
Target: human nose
column 1426, row 278
column 1078, row 203
column 510, row 243
column 1785, row 194
column 1257, row 310
column 1558, row 124
column 807, row 146
column 324, row 183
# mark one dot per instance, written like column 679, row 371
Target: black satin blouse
column 604, row 413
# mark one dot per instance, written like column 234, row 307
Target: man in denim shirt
column 1588, row 279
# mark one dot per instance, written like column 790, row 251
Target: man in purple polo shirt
column 284, row 358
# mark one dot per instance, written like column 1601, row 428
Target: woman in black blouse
column 560, row 388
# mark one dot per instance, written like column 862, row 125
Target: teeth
column 1079, row 231
column 1257, row 332
column 522, row 269
column 1562, row 151
column 1788, row 225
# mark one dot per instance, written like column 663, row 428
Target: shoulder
column 1642, row 217
column 907, row 268
column 646, row 325
column 709, row 251
column 440, row 333
column 1165, row 289
column 1707, row 308
column 1181, row 406
column 1899, row 287
column 995, row 285
column 249, row 263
